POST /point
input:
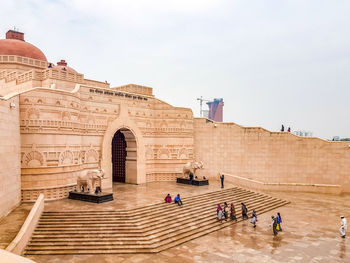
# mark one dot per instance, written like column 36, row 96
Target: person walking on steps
column 274, row 225
column 343, row 227
column 222, row 177
column 244, row 211
column 218, row 208
column 225, row 210
column 219, row 212
column 233, row 212
column 254, row 218
column 177, row 200
column 279, row 221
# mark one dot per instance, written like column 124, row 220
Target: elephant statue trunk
column 88, row 179
column 191, row 167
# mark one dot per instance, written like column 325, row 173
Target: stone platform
column 196, row 182
column 91, row 197
column 300, row 241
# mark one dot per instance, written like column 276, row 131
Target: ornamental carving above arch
column 182, row 154
column 66, row 158
column 33, row 114
column 91, row 156
column 33, row 159
column 163, row 154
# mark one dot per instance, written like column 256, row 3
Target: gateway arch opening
column 124, row 157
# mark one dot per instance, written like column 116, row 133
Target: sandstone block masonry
column 274, row 157
column 10, row 148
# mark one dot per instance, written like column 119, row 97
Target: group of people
column 177, row 199
column 276, row 224
column 282, row 129
column 222, row 213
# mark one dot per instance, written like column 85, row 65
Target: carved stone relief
column 33, row 159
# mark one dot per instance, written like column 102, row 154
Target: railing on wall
column 51, row 73
column 12, row 59
column 293, row 187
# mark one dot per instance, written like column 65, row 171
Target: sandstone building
column 55, row 123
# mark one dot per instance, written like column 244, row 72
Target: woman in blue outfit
column 279, row 221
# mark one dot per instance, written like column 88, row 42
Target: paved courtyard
column 310, row 229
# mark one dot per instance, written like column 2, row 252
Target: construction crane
column 201, row 104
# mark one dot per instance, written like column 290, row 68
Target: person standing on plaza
column 244, row 211
column 288, row 129
column 343, row 227
column 274, row 225
column 279, row 221
column 282, row 129
column 191, row 178
column 222, row 180
column 233, row 212
column 254, row 218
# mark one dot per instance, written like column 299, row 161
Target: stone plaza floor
column 310, row 229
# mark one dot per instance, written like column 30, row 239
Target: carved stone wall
column 62, row 134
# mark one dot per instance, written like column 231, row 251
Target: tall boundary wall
column 274, row 157
column 10, row 161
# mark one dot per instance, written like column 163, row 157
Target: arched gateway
column 124, row 156
column 123, row 153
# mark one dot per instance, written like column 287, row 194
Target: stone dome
column 62, row 65
column 14, row 44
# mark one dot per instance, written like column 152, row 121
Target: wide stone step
column 141, row 211
column 148, row 229
column 158, row 246
column 156, row 232
column 151, row 230
column 179, row 218
column 149, row 217
column 156, row 238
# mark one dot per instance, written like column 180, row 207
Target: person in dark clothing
column 222, row 180
column 244, row 211
column 191, row 178
column 282, row 129
column 288, row 129
column 233, row 212
column 254, row 219
column 225, row 210
column 274, row 225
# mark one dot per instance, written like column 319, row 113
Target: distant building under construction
column 216, row 108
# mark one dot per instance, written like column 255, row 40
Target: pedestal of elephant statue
column 91, row 197
column 197, row 182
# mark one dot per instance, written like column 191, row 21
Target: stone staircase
column 148, row 229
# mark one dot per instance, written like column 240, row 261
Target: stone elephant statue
column 191, row 167
column 88, row 179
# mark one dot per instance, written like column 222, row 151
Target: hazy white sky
column 273, row 62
